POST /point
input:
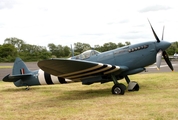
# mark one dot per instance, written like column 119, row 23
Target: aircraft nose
column 163, row 45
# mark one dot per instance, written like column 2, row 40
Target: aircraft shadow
column 17, row 89
column 84, row 94
column 66, row 95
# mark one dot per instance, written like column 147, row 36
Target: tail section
column 22, row 76
column 20, row 67
column 19, row 71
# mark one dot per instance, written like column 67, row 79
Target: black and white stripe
column 100, row 68
column 47, row 79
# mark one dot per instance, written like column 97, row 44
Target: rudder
column 19, row 67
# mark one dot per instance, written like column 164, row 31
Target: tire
column 118, row 89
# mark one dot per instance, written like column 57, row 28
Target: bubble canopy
column 87, row 54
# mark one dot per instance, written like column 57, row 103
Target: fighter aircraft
column 92, row 66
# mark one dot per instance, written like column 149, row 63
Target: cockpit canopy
column 87, row 54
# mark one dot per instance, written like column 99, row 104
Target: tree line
column 14, row 47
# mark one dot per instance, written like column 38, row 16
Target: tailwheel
column 133, row 86
column 118, row 89
column 27, row 88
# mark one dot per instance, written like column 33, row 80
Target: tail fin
column 20, row 67
column 19, row 71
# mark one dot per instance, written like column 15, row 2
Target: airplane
column 92, row 66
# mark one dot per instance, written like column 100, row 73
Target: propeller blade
column 158, row 59
column 163, row 33
column 156, row 37
column 166, row 57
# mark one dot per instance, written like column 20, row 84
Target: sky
column 65, row 22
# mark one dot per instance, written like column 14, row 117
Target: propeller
column 158, row 59
column 154, row 33
column 166, row 57
column 161, row 53
column 163, row 33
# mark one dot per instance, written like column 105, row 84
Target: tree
column 34, row 52
column 127, row 43
column 120, row 44
column 81, row 47
column 7, row 52
column 108, row 46
column 98, row 48
column 17, row 43
column 59, row 50
column 53, row 49
column 67, row 51
column 173, row 48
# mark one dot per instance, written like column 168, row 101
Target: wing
column 78, row 69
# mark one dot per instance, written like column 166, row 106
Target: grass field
column 157, row 99
column 2, row 67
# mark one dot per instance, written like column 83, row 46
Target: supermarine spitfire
column 92, row 66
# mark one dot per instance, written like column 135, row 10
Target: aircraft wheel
column 118, row 89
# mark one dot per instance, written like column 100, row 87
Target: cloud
column 93, row 34
column 119, row 22
column 154, row 8
column 7, row 4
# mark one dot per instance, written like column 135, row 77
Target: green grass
column 157, row 99
column 2, row 67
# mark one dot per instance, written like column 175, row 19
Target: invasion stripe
column 85, row 70
column 48, row 78
column 90, row 73
column 54, row 79
column 110, row 71
column 104, row 66
column 113, row 67
column 41, row 77
column 62, row 80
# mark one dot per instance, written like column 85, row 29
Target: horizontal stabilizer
column 14, row 78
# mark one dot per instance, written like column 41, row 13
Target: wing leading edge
column 77, row 69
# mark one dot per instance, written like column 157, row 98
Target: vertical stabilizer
column 20, row 67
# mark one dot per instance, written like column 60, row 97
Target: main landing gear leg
column 118, row 88
column 132, row 85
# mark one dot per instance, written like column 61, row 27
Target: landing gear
column 132, row 85
column 27, row 88
column 118, row 89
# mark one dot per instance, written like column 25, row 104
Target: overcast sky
column 64, row 22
